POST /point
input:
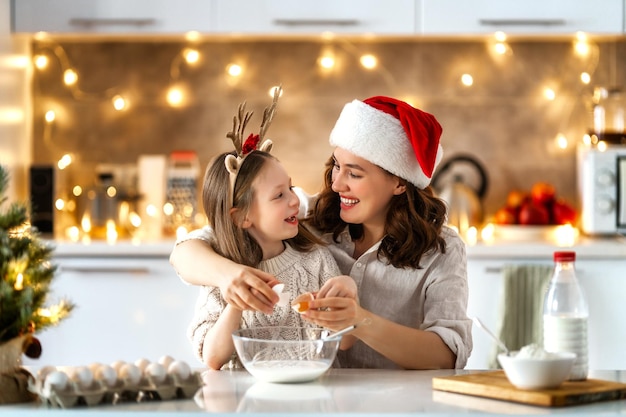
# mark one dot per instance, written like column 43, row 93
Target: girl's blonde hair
column 229, row 239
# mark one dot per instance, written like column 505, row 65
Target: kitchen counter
column 585, row 247
column 340, row 392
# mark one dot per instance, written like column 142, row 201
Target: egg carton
column 75, row 393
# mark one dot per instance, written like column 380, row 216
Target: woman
column 386, row 230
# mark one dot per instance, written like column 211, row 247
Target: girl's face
column 273, row 214
column 365, row 189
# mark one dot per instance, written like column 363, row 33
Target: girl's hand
column 339, row 286
column 249, row 289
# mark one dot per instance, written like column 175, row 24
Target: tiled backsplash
column 503, row 119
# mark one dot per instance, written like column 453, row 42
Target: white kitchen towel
column 521, row 307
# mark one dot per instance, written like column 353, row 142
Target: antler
column 239, row 126
column 268, row 113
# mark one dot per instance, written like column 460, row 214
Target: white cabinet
column 604, row 283
column 448, row 17
column 127, row 308
column 111, row 16
column 314, row 16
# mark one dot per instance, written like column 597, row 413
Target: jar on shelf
column 609, row 115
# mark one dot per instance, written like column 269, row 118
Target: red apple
column 542, row 193
column 533, row 214
column 563, row 212
column 505, row 215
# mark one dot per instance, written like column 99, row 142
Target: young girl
column 252, row 210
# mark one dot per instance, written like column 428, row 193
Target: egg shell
column 106, row 374
column 142, row 363
column 117, row 365
column 179, row 368
column 82, row 376
column 156, row 371
column 131, row 373
column 57, row 380
column 166, row 361
column 43, row 372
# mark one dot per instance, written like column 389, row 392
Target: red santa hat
column 393, row 135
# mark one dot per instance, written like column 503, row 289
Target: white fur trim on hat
column 380, row 138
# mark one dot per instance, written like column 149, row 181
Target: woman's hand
column 339, row 286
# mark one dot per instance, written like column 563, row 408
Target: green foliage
column 27, row 271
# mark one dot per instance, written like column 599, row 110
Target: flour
column 534, row 351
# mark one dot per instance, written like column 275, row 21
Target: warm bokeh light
column 175, row 97
column 181, row 232
column 561, row 141
column 70, row 77
column 168, row 209
column 327, row 62
column 59, row 204
column 77, row 190
column 234, row 70
column 369, row 61
column 111, row 233
column 41, row 61
column 192, row 56
column 549, row 94
column 499, row 36
column 501, row 48
column 272, row 91
column 19, row 282
column 152, row 211
column 585, row 78
column 119, row 103
column 467, row 80
column 581, row 45
column 111, row 191
column 50, row 116
column 73, row 233
column 192, row 36
column 65, row 161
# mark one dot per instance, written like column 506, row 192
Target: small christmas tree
column 27, row 271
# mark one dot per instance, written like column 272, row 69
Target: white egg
column 142, row 363
column 166, row 361
column 43, row 372
column 156, row 371
column 117, row 365
column 130, row 373
column 180, row 369
column 106, row 374
column 82, row 376
column 57, row 380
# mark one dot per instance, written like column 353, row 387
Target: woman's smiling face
column 365, row 189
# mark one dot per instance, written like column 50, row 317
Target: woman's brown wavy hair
column 229, row 239
column 412, row 228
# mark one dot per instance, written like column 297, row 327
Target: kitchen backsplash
column 505, row 118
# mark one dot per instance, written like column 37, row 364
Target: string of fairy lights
column 331, row 59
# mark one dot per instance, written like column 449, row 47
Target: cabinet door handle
column 105, row 269
column 90, row 22
column 316, row 22
column 522, row 22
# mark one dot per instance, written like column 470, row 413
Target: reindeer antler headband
column 233, row 163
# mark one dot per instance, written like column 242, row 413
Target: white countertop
column 340, row 392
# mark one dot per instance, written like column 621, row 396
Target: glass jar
column 609, row 115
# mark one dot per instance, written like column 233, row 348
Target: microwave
column 601, row 186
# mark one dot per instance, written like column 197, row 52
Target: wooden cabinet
column 111, row 16
column 127, row 308
column 604, row 283
column 281, row 17
column 531, row 17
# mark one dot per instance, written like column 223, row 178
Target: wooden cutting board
column 494, row 384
